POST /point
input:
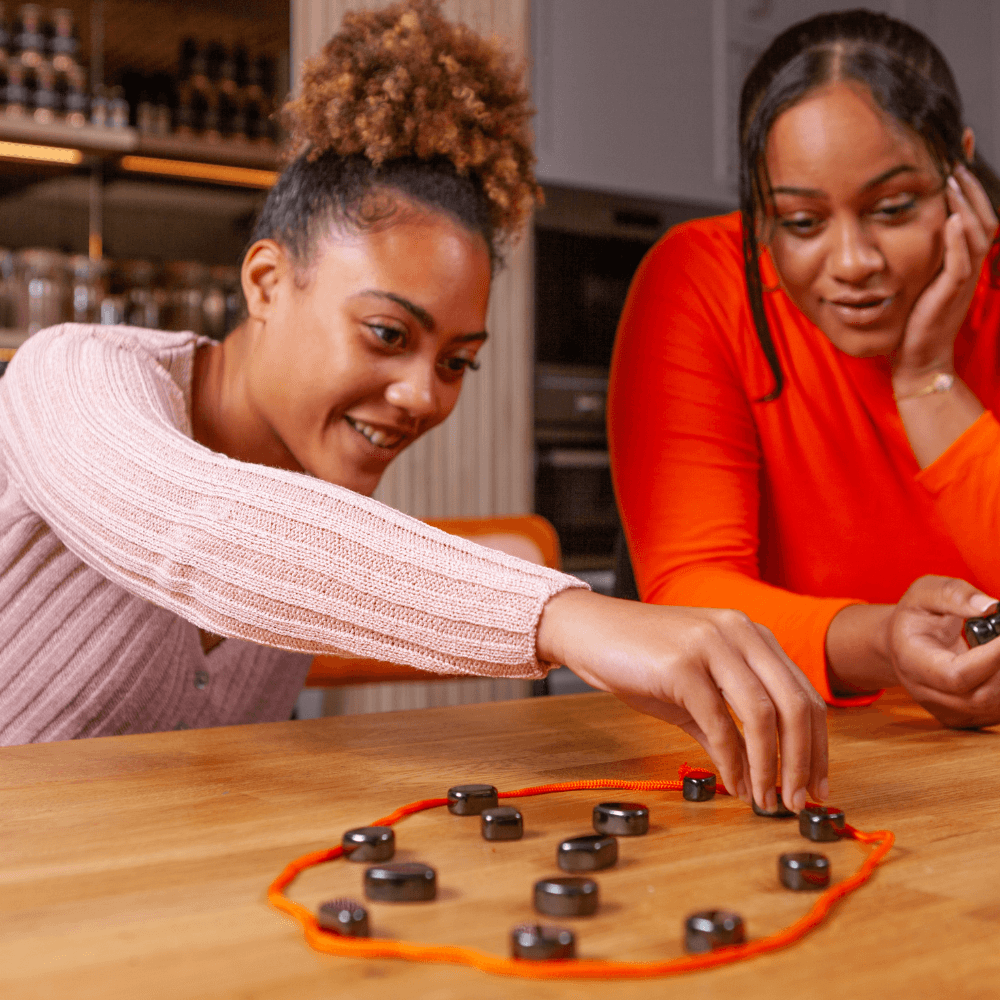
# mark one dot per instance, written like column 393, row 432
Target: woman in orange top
column 803, row 393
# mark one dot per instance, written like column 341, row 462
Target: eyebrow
column 423, row 317
column 887, row 175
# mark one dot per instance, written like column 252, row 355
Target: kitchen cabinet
column 640, row 96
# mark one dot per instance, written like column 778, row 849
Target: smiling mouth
column 379, row 438
column 863, row 312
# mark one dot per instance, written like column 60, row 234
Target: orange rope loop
column 334, row 944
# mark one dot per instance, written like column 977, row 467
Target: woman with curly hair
column 816, row 377
column 159, row 492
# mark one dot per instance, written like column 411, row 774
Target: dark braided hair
column 908, row 78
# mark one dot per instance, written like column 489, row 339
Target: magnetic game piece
column 566, row 896
column 621, row 819
column 803, row 870
column 710, row 929
column 502, row 823
column 471, row 800
column 821, row 823
column 542, row 944
column 401, row 882
column 369, row 843
column 781, row 811
column 981, row 630
column 589, row 853
column 343, row 916
column 699, row 786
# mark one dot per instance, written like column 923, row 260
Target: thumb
column 982, row 604
column 944, row 595
column 949, row 596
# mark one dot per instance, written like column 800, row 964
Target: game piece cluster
column 568, row 895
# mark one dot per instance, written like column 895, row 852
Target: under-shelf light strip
column 40, row 154
column 241, row 176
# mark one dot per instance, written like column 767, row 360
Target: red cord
column 334, row 944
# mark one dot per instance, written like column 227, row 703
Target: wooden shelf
column 113, row 142
column 90, row 138
column 222, row 152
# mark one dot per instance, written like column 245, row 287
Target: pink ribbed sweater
column 120, row 536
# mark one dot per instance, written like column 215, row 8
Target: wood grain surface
column 137, row 866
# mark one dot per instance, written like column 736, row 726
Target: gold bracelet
column 943, row 381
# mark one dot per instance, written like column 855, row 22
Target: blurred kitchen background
column 138, row 140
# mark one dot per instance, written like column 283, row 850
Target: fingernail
column 771, row 799
column 799, row 799
column 823, row 792
column 741, row 791
column 981, row 603
column 953, row 184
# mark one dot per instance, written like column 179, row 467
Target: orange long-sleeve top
column 793, row 509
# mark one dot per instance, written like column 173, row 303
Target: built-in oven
column 572, row 469
column 587, row 248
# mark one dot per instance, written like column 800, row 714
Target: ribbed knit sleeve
column 96, row 437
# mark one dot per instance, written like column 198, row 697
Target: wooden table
column 136, row 866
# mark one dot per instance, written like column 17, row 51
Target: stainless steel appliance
column 587, row 248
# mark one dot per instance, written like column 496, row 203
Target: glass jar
column 15, row 92
column 6, row 40
column 64, row 44
column 227, row 277
column 45, row 99
column 118, row 109
column 29, row 35
column 184, row 282
column 142, row 305
column 44, row 297
column 213, row 308
column 76, row 101
column 89, row 288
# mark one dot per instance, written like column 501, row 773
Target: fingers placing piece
column 703, row 716
column 798, row 710
column 805, row 758
column 731, row 672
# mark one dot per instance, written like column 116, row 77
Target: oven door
column 573, row 490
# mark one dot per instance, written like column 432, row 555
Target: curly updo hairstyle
column 908, row 78
column 402, row 101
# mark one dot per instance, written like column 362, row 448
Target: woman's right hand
column 958, row 685
column 685, row 665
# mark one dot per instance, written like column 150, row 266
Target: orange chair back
column 528, row 536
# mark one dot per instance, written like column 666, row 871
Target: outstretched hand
column 958, row 685
column 689, row 666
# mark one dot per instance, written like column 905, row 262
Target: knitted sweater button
column 201, row 679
